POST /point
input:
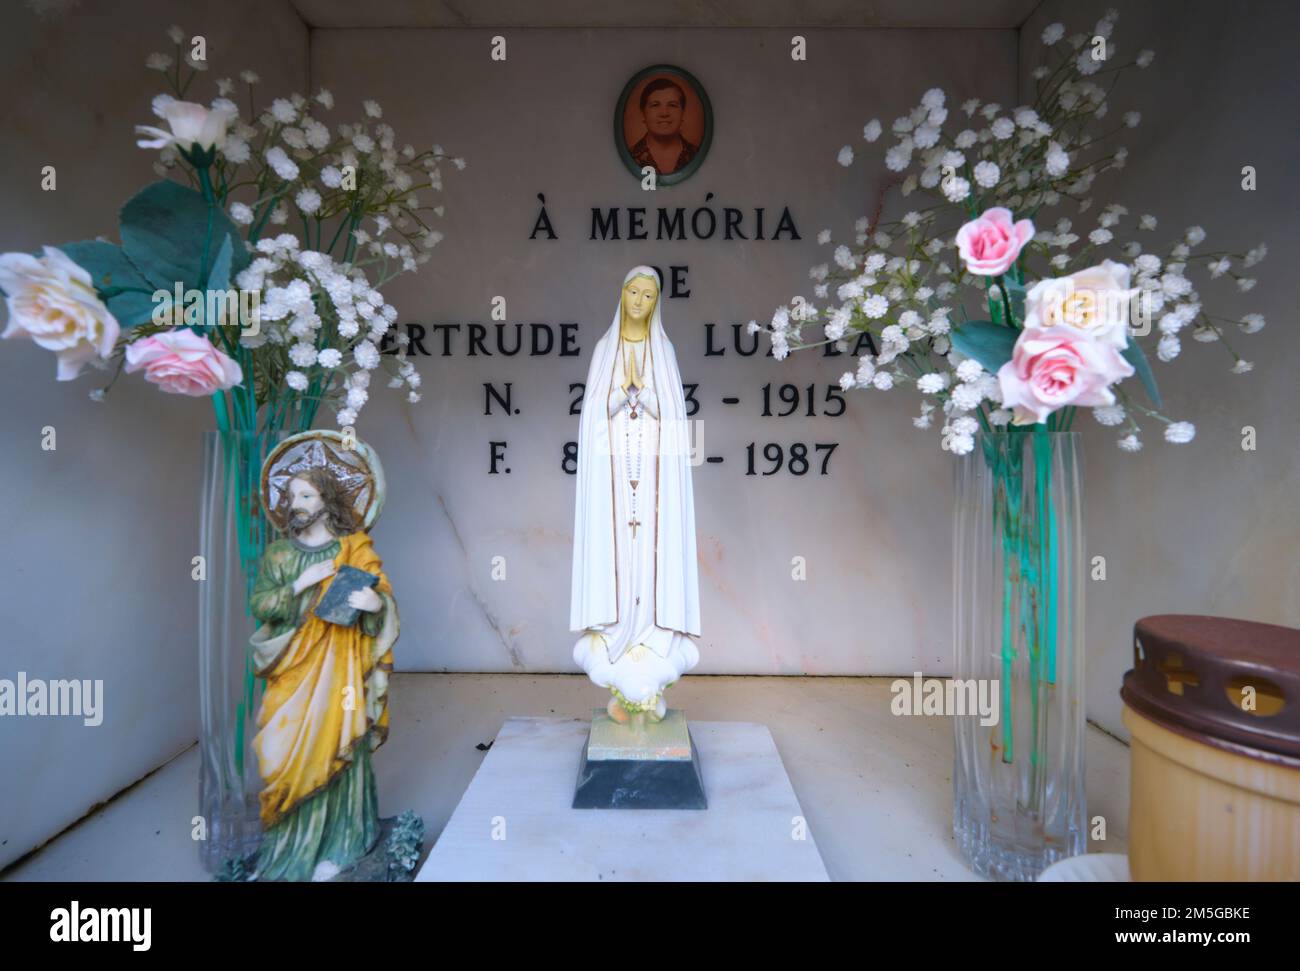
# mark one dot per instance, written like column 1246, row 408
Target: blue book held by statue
column 334, row 606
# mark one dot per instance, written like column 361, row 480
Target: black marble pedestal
column 640, row 765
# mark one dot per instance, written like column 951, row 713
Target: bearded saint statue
column 325, row 706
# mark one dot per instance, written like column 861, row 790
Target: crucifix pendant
column 634, row 524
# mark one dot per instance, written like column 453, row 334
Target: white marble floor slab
column 876, row 788
column 516, row 820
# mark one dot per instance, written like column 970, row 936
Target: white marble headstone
column 800, row 572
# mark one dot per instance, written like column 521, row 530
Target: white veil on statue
column 594, row 598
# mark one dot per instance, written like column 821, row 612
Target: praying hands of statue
column 629, row 391
column 313, row 575
column 631, row 379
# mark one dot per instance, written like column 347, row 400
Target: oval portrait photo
column 663, row 121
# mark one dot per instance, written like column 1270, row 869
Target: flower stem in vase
column 1004, row 463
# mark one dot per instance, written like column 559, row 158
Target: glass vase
column 233, row 535
column 1018, row 781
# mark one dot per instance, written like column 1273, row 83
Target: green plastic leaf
column 163, row 230
column 218, row 285
column 984, row 341
column 1015, row 294
column 1134, row 355
column 1016, row 291
column 111, row 272
column 219, row 278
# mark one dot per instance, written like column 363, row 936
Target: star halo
column 357, row 469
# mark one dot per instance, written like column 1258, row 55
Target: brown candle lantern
column 1213, row 706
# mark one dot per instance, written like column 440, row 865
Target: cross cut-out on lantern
column 1176, row 675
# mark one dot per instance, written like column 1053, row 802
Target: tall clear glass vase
column 233, row 535
column 1018, row 781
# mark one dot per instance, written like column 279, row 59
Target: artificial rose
column 190, row 123
column 182, row 362
column 1050, row 369
column 1093, row 303
column 990, row 244
column 53, row 301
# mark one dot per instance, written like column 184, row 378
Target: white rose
column 190, row 124
column 1094, row 303
column 52, row 300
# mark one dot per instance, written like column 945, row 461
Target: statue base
column 395, row 853
column 640, row 764
column 391, row 860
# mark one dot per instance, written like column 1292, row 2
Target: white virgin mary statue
column 635, row 596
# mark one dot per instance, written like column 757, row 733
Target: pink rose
column 182, row 362
column 990, row 244
column 1055, row 367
